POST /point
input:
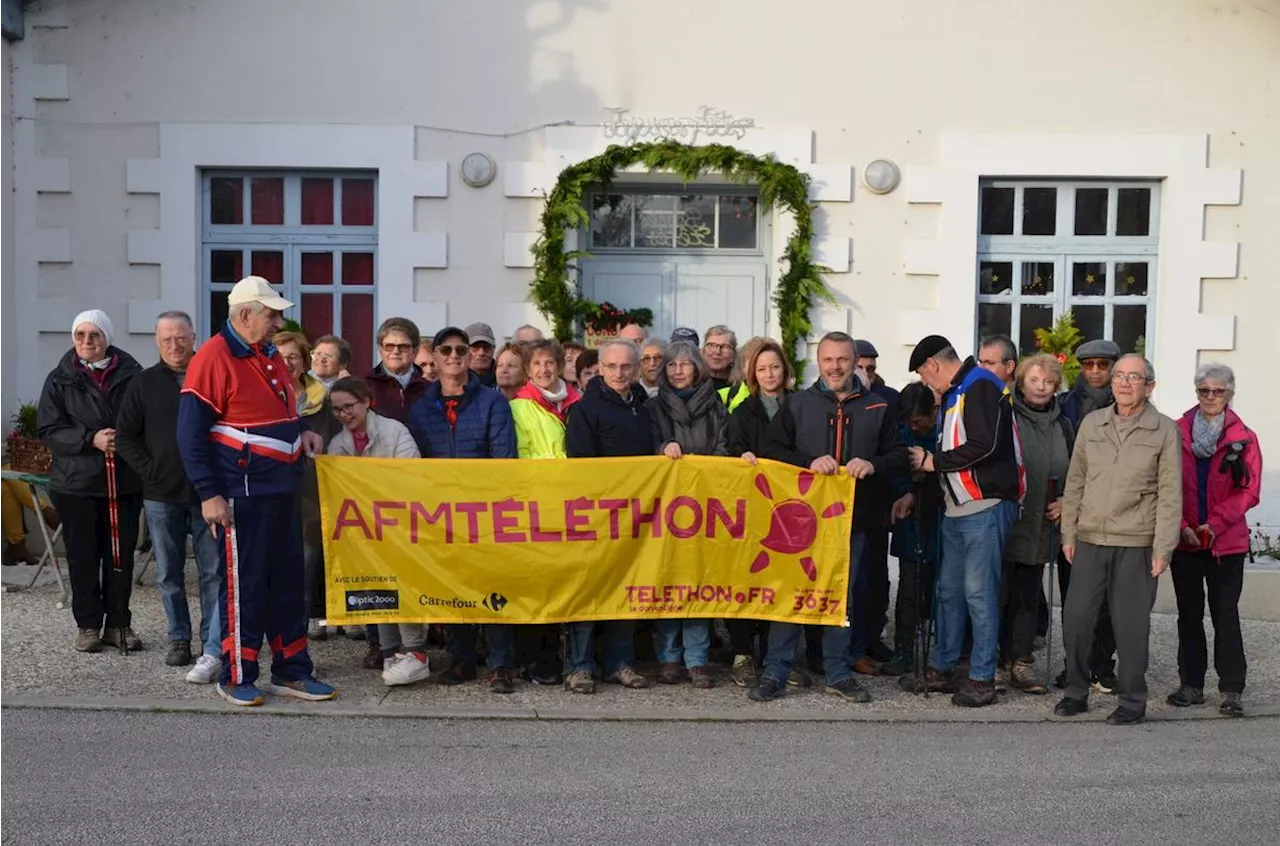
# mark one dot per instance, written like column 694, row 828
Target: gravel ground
column 36, row 658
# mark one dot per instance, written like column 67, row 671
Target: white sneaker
column 404, row 668
column 206, row 670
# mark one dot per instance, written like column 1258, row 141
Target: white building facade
column 1118, row 160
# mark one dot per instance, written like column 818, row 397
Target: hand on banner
column 750, row 458
column 1157, row 566
column 824, row 464
column 860, row 468
column 672, row 450
column 903, row 506
column 312, row 443
column 215, row 512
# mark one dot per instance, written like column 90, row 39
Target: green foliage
column 24, row 420
column 555, row 292
column 291, row 325
column 1061, row 341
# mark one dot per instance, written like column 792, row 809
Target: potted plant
column 27, row 453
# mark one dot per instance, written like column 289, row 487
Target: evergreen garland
column 797, row 290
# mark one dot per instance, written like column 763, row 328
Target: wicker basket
column 27, row 455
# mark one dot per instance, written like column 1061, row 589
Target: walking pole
column 117, row 568
column 1053, row 560
column 921, row 646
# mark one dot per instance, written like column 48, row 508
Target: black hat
column 1098, row 349
column 684, row 333
column 866, row 349
column 450, row 332
column 928, row 347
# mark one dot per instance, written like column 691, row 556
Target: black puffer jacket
column 604, row 424
column 71, row 411
column 697, row 424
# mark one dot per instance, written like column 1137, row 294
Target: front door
column 694, row 259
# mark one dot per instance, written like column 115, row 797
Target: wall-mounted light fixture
column 881, row 176
column 478, row 170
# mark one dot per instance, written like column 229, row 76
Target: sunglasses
column 1216, row 393
column 391, row 348
column 1095, row 364
column 447, row 350
column 324, row 358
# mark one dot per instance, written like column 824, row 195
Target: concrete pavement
column 90, row 778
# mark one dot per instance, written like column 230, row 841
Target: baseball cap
column 481, row 333
column 684, row 333
column 255, row 289
column 928, row 347
column 450, row 332
column 1101, row 348
column 866, row 349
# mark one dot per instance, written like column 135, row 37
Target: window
column 313, row 235
column 713, row 220
column 1046, row 247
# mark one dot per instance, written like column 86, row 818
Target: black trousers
column 877, row 564
column 87, row 536
column 1193, row 572
column 1102, row 658
column 747, row 636
column 914, row 602
column 1020, row 594
column 538, row 648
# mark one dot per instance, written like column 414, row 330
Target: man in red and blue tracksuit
column 242, row 446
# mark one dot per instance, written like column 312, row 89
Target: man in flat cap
column 979, row 464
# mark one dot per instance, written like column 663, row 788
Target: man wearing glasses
column 1121, row 518
column 482, row 346
column 998, row 354
column 1092, row 391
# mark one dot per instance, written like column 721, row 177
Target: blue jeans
column 500, row 639
column 169, row 525
column 972, row 568
column 619, row 646
column 696, row 650
column 786, row 638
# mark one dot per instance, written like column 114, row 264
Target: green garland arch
column 797, row 291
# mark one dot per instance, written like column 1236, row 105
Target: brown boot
column 867, row 666
column 17, row 553
column 1024, row 678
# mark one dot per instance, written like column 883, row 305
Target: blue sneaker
column 240, row 694
column 311, row 689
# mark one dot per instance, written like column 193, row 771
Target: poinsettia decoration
column 606, row 317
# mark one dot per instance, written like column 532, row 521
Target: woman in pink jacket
column 1221, row 478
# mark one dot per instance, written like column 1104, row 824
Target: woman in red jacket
column 1221, row 478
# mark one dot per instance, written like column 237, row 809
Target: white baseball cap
column 255, row 289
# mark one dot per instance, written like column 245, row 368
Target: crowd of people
column 975, row 477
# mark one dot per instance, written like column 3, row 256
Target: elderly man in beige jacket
column 1120, row 521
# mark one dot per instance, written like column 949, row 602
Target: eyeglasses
column 718, row 348
column 345, row 409
column 481, row 345
column 1216, row 393
column 1129, row 378
column 870, row 368
column 447, row 350
column 1095, row 364
column 394, row 348
column 323, row 358
column 651, row 359
column 984, row 362
column 292, row 357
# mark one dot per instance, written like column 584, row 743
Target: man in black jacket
column 146, row 437
column 609, row 420
column 837, row 422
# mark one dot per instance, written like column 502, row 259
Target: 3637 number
column 821, row 604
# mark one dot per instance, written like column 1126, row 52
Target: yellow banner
column 525, row 541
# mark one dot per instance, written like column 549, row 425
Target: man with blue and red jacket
column 458, row 417
column 979, row 463
column 242, row 446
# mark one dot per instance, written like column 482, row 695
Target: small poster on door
column 596, row 337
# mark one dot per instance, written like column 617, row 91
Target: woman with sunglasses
column 1221, row 481
column 366, row 433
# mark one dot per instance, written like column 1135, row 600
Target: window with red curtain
column 317, row 269
column 357, row 202
column 266, row 201
column 357, row 268
column 317, row 315
column 269, row 264
column 357, row 329
column 317, row 201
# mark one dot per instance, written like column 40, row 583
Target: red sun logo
column 793, row 525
